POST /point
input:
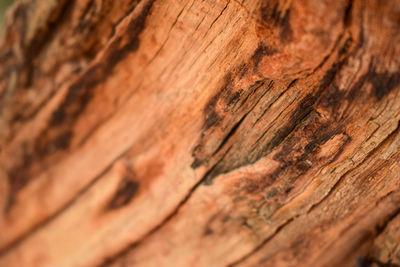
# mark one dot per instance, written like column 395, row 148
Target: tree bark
column 200, row 133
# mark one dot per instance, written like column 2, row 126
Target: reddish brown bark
column 200, row 133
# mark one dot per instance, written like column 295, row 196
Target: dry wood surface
column 200, row 133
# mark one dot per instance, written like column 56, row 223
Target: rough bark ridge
column 200, row 133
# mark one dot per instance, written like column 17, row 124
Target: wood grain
column 200, row 133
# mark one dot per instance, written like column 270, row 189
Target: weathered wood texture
column 200, row 133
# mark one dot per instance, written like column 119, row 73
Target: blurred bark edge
column 200, row 133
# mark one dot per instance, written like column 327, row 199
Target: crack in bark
column 221, row 169
column 368, row 156
column 96, row 127
column 384, row 225
column 361, row 230
column 265, row 241
column 326, row 58
column 39, row 226
column 224, row 141
column 42, row 224
column 215, row 20
column 274, row 101
column 379, row 229
column 121, row 20
column 386, row 140
column 168, row 34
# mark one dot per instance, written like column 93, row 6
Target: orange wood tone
column 200, row 133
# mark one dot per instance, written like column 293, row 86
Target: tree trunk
column 200, row 133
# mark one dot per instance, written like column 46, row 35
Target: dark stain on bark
column 230, row 134
column 35, row 46
column 59, row 134
column 197, row 162
column 218, row 108
column 305, row 107
column 332, row 97
column 348, row 13
column 262, row 51
column 126, row 191
column 18, row 177
column 382, row 83
column 86, row 19
column 80, row 93
column 291, row 153
column 331, row 73
column 60, row 141
column 341, row 148
column 211, row 117
column 243, row 69
column 294, row 165
column 271, row 14
column 208, row 228
column 329, row 76
column 321, row 136
column 286, row 33
column 220, row 168
column 271, row 193
column 16, row 33
column 78, row 96
column 315, row 132
column 368, row 261
column 233, row 98
column 21, row 19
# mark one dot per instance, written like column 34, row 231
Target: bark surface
column 200, row 133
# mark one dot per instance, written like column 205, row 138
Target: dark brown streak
column 126, row 191
column 340, row 151
column 129, row 11
column 262, row 51
column 58, row 134
column 306, row 106
column 278, row 18
column 254, row 88
column 302, row 111
column 34, row 48
column 300, row 114
column 219, row 169
column 265, row 131
column 211, row 117
column 25, row 67
column 276, row 99
column 136, row 26
column 86, row 17
column 229, row 135
column 348, row 13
